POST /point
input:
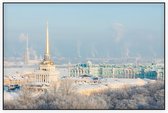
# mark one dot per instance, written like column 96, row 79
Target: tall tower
column 47, row 60
column 47, row 51
column 47, row 73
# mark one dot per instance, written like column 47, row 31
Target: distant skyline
column 85, row 30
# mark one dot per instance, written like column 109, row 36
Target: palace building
column 115, row 71
column 103, row 70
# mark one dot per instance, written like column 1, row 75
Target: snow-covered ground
column 113, row 83
column 10, row 71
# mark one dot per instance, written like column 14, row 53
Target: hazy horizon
column 85, row 30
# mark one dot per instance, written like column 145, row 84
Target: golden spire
column 47, row 53
column 47, row 41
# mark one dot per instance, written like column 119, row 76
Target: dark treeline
column 150, row 96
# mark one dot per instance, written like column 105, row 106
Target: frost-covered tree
column 150, row 96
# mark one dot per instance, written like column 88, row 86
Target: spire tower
column 47, row 52
column 46, row 74
column 47, row 40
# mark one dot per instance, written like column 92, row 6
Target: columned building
column 102, row 70
column 114, row 71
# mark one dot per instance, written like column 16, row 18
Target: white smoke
column 127, row 52
column 93, row 51
column 118, row 30
column 22, row 37
column 33, row 53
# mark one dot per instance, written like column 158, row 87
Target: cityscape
column 89, row 73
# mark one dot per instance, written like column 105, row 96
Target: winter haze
column 86, row 30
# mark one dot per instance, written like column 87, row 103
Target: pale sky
column 86, row 30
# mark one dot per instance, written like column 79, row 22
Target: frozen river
column 10, row 71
